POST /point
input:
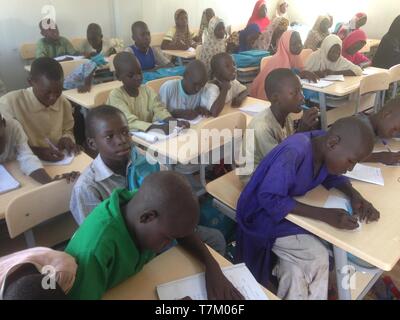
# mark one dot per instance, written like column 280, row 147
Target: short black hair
column 216, row 60
column 47, row 67
column 100, row 112
column 94, row 28
column 29, row 287
column 122, row 59
column 138, row 24
column 273, row 82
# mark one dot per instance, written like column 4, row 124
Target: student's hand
column 340, row 219
column 224, row 85
column 309, row 119
column 163, row 127
column 68, row 145
column 201, row 111
column 183, row 124
column 70, row 176
column 219, row 287
column 48, row 154
column 388, row 158
column 364, row 209
column 322, row 73
column 311, row 76
column 85, row 88
column 186, row 298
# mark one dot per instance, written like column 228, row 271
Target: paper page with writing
column 334, row 202
column 66, row 161
column 7, row 181
column 367, row 174
column 195, row 287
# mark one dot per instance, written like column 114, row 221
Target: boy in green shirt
column 126, row 231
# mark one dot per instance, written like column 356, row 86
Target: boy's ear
column 30, row 81
column 274, row 98
column 148, row 216
column 91, row 144
column 332, row 142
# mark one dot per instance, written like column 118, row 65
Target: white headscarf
column 278, row 13
column 318, row 60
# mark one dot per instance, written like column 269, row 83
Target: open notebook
column 67, row 160
column 367, row 174
column 154, row 136
column 7, row 182
column 61, row 58
column 195, row 286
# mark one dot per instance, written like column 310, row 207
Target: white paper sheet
column 7, row 181
column 195, row 286
column 253, row 108
column 61, row 58
column 334, row 202
column 191, row 49
column 67, row 160
column 368, row 71
column 154, row 136
column 319, row 84
column 367, row 174
column 195, row 121
column 334, row 77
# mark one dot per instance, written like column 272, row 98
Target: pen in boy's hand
column 51, row 145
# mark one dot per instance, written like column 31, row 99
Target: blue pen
column 386, row 145
column 304, row 107
column 349, row 209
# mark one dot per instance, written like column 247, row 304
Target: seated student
column 318, row 33
column 183, row 98
column 299, row 164
column 3, row 89
column 140, row 224
column 207, row 15
column 224, row 88
column 260, row 15
column 274, row 125
column 14, row 146
column 355, row 23
column 214, row 43
column 107, row 133
column 22, row 275
column 179, row 37
column 287, row 56
column 281, row 10
column 352, row 44
column 248, row 38
column 52, row 45
column 95, row 43
column 386, row 125
column 388, row 53
column 150, row 58
column 268, row 40
column 45, row 115
column 329, row 60
column 140, row 104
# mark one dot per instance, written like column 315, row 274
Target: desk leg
column 394, row 92
column 180, row 62
column 343, row 276
column 322, row 106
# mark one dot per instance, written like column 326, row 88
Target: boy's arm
column 40, row 50
column 238, row 100
column 388, row 158
column 218, row 286
column 219, row 103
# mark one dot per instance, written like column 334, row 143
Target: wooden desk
column 172, row 265
column 370, row 43
column 27, row 183
column 338, row 89
column 87, row 100
column 377, row 243
column 181, row 54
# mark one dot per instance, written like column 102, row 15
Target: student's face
column 95, row 39
column 142, row 37
column 361, row 22
column 219, row 31
column 226, row 70
column 252, row 38
column 193, row 82
column 51, row 34
column 388, row 126
column 341, row 158
column 290, row 97
column 283, row 7
column 262, row 13
column 210, row 14
column 182, row 20
column 2, row 136
column 295, row 43
column 131, row 76
column 47, row 91
column 325, row 25
column 334, row 53
column 356, row 47
column 112, row 139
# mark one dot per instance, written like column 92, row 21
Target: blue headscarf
column 243, row 35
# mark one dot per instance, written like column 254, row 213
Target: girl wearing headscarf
column 215, row 41
column 287, row 56
column 207, row 15
column 355, row 23
column 281, row 10
column 328, row 60
column 268, row 40
column 388, row 53
column 179, row 37
column 318, row 33
column 352, row 44
column 248, row 37
column 259, row 15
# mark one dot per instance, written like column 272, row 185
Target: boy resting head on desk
column 127, row 230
